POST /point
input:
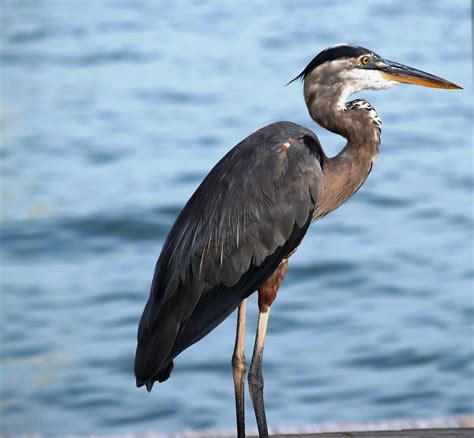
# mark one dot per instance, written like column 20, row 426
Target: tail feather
column 151, row 359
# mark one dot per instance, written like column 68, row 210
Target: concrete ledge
column 404, row 433
column 406, row 428
column 457, row 427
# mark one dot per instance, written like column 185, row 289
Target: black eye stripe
column 332, row 54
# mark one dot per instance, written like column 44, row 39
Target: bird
column 246, row 219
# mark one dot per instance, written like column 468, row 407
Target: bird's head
column 345, row 69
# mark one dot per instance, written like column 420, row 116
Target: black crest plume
column 331, row 54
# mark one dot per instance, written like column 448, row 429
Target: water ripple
column 50, row 236
column 152, row 414
column 35, row 59
column 396, row 359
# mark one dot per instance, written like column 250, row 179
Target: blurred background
column 113, row 112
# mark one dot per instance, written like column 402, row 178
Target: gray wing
column 252, row 209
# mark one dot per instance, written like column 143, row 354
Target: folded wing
column 251, row 211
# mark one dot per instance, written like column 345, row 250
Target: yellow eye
column 365, row 60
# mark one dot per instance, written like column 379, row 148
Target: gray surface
column 429, row 433
column 113, row 113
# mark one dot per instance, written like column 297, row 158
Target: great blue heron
column 238, row 230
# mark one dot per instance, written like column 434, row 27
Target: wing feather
column 252, row 210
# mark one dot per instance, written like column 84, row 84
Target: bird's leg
column 256, row 375
column 239, row 367
column 266, row 295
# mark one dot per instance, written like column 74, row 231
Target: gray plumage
column 252, row 209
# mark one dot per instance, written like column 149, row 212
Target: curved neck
column 327, row 106
column 358, row 122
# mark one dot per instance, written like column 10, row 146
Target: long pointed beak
column 394, row 71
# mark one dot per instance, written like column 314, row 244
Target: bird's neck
column 358, row 122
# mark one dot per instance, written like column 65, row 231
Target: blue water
column 113, row 112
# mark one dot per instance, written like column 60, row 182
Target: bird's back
column 251, row 211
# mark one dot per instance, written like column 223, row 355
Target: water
column 112, row 113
